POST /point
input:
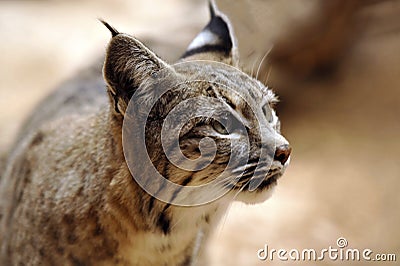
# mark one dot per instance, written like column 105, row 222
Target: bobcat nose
column 282, row 153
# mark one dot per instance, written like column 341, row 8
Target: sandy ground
column 344, row 175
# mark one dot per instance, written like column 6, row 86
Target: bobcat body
column 67, row 194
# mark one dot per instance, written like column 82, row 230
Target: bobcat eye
column 231, row 125
column 268, row 113
column 217, row 126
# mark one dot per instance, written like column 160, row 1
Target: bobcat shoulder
column 69, row 195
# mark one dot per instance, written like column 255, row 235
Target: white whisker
column 240, row 190
column 267, row 75
column 179, row 220
column 222, row 223
column 243, row 167
column 262, row 60
column 252, row 68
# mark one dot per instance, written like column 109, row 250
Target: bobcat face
column 200, row 129
column 243, row 127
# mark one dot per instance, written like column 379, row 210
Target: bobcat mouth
column 269, row 180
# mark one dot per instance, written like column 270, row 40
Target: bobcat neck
column 148, row 231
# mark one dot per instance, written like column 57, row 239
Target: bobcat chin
column 76, row 189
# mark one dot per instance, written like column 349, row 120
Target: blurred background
column 335, row 65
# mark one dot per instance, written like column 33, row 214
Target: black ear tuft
column 128, row 63
column 217, row 36
column 113, row 31
column 211, row 7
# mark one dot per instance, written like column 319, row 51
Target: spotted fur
column 67, row 196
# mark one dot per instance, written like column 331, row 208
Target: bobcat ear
column 217, row 37
column 128, row 63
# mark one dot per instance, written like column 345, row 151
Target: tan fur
column 67, row 195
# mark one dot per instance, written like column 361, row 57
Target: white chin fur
column 256, row 197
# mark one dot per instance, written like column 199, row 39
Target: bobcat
column 69, row 193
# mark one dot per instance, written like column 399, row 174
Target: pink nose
column 282, row 153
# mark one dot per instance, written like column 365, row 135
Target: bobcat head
column 197, row 130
